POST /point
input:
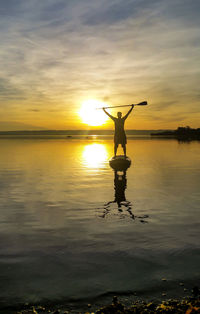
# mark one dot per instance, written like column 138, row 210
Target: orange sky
column 54, row 56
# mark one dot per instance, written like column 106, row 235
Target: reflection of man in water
column 120, row 135
column 120, row 183
column 120, row 186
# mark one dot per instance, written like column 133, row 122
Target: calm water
column 61, row 240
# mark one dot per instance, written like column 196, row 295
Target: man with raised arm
column 120, row 135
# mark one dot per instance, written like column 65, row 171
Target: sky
column 57, row 54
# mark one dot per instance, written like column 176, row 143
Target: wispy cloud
column 56, row 53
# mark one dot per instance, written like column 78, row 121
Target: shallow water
column 61, row 240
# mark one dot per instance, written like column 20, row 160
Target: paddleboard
column 120, row 163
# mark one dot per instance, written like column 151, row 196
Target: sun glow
column 90, row 114
column 94, row 155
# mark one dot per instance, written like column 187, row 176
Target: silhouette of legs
column 115, row 149
column 124, row 149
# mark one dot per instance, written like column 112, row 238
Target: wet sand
column 186, row 305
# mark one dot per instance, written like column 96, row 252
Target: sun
column 90, row 114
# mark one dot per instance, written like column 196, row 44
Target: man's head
column 119, row 114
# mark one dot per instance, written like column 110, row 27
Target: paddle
column 143, row 103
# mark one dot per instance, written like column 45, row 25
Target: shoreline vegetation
column 181, row 133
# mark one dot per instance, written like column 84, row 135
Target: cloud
column 56, row 53
column 14, row 125
column 35, row 110
column 9, row 92
column 110, row 12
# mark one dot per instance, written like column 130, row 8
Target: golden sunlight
column 94, row 155
column 90, row 114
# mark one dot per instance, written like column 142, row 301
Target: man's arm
column 111, row 117
column 126, row 116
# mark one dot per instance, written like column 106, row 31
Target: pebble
column 41, row 309
column 34, row 310
column 196, row 291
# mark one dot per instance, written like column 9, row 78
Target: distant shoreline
column 181, row 133
column 70, row 134
column 89, row 137
column 76, row 132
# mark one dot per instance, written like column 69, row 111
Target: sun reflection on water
column 94, row 155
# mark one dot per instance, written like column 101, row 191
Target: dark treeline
column 181, row 133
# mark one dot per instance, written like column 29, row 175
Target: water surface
column 61, row 240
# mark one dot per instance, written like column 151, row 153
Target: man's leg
column 115, row 149
column 124, row 149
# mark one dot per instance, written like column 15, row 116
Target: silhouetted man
column 120, row 135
